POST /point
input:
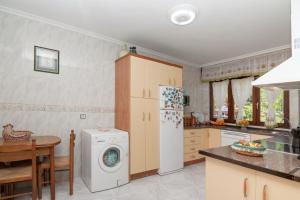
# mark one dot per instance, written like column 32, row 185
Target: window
column 278, row 106
column 256, row 108
column 248, row 110
column 224, row 110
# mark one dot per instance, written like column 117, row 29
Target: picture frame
column 46, row 60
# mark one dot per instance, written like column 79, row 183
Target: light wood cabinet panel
column 191, row 133
column 204, row 139
column 137, row 136
column 191, row 156
column 275, row 188
column 177, row 77
column 228, row 182
column 254, row 137
column 138, row 77
column 191, row 148
column 154, row 78
column 152, row 134
column 192, row 140
column 214, row 138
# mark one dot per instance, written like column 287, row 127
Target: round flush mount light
column 183, row 14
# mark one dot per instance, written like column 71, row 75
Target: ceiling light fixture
column 183, row 14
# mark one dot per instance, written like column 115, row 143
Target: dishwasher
column 229, row 137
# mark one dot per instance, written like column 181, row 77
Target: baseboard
column 143, row 174
column 192, row 162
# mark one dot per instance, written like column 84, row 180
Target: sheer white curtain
column 241, row 91
column 272, row 94
column 220, row 94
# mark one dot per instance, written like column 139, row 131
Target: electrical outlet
column 82, row 116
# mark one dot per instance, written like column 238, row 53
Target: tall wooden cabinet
column 137, row 82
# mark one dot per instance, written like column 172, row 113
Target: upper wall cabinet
column 147, row 75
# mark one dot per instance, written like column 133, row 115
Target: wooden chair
column 62, row 163
column 11, row 175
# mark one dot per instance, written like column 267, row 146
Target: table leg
column 52, row 174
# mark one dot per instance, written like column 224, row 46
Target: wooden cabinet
column 194, row 140
column 214, row 138
column 176, row 77
column 228, row 181
column 152, row 134
column 144, row 135
column 147, row 76
column 270, row 187
column 137, row 135
column 137, row 81
column 137, row 78
column 197, row 139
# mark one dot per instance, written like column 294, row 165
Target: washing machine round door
column 110, row 160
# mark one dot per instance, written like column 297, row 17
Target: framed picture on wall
column 46, row 60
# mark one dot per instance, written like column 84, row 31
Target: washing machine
column 104, row 158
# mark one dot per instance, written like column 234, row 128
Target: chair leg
column 71, row 181
column 40, row 182
column 34, row 190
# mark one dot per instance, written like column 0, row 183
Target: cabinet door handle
column 143, row 116
column 144, row 92
column 149, row 93
column 174, row 81
column 192, row 141
column 265, row 192
column 149, row 116
column 245, row 187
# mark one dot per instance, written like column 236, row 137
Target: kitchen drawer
column 191, row 133
column 192, row 140
column 191, row 148
column 192, row 156
column 195, row 132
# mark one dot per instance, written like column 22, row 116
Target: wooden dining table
column 45, row 147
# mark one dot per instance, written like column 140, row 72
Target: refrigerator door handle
column 149, row 117
column 143, row 116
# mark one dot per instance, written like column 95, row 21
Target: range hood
column 287, row 74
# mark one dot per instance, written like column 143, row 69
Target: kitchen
column 194, row 103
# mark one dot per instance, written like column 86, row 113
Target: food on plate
column 249, row 148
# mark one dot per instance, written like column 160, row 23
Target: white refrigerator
column 171, row 130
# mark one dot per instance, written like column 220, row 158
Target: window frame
column 255, row 106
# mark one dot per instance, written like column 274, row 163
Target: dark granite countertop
column 285, row 165
column 250, row 130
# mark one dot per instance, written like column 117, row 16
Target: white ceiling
column 223, row 28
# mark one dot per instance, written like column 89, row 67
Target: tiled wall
column 50, row 104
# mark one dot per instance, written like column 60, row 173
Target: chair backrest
column 18, row 151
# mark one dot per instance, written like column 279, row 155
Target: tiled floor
column 185, row 185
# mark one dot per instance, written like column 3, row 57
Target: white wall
column 50, row 104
